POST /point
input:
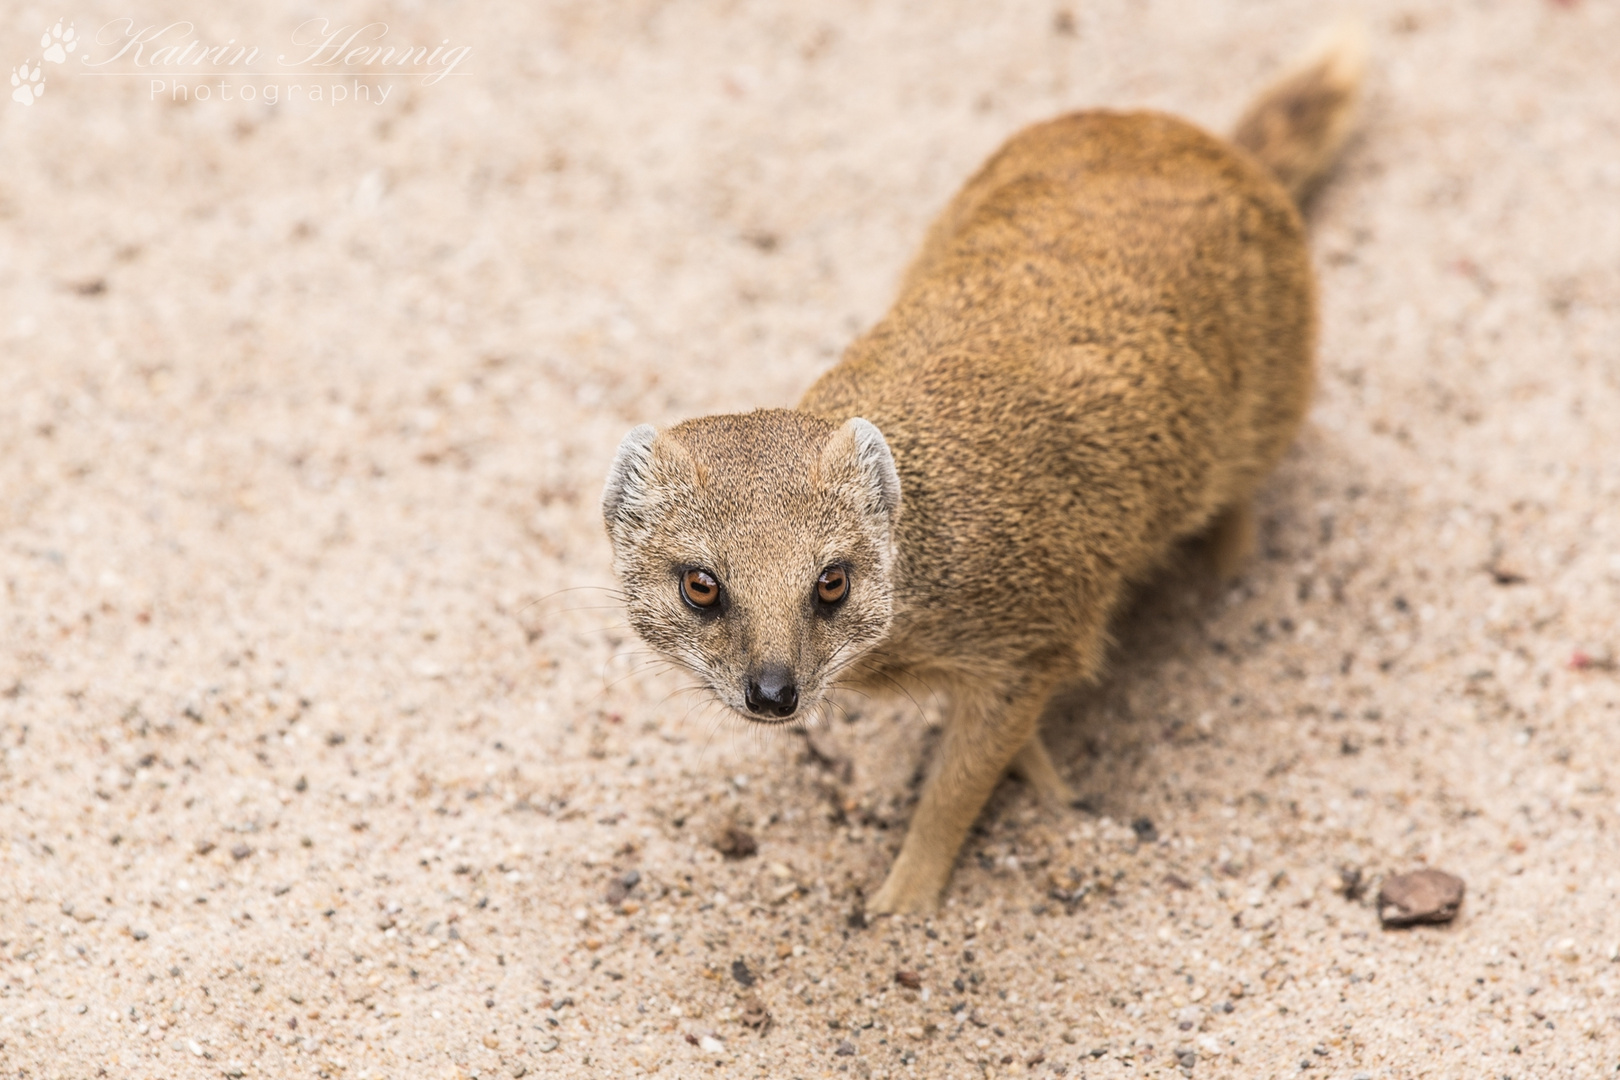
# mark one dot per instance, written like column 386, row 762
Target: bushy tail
column 1298, row 124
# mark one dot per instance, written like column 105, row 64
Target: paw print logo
column 58, row 42
column 27, row 84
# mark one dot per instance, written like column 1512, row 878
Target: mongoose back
column 1102, row 348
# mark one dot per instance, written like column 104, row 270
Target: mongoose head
column 757, row 550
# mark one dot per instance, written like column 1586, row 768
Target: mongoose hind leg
column 1231, row 539
column 983, row 735
column 1034, row 765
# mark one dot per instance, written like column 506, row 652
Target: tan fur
column 1231, row 539
column 1103, row 347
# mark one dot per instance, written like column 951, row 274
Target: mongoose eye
column 833, row 585
column 699, row 589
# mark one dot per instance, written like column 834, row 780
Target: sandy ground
column 313, row 767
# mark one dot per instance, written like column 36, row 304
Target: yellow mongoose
column 1102, row 348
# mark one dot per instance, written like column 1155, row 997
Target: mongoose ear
column 628, row 478
column 860, row 442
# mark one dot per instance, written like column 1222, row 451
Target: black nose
column 772, row 693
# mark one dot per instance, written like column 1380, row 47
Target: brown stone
column 734, row 843
column 1423, row 896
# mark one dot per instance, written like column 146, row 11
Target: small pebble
column 1145, row 830
column 621, row 886
column 908, row 979
column 711, row 1045
column 240, row 852
column 734, row 843
column 755, row 1015
column 547, row 1046
column 1423, row 896
column 1597, row 659
column 845, row 1049
column 740, row 972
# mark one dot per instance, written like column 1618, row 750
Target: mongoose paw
column 1055, row 795
column 1035, row 767
column 1232, row 540
column 905, row 893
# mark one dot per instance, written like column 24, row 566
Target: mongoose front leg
column 983, row 736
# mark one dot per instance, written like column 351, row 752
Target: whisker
column 645, row 659
column 703, row 753
column 701, row 706
column 830, row 703
column 833, row 666
column 632, row 673
column 620, row 627
column 921, row 714
column 679, row 690
column 615, row 593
